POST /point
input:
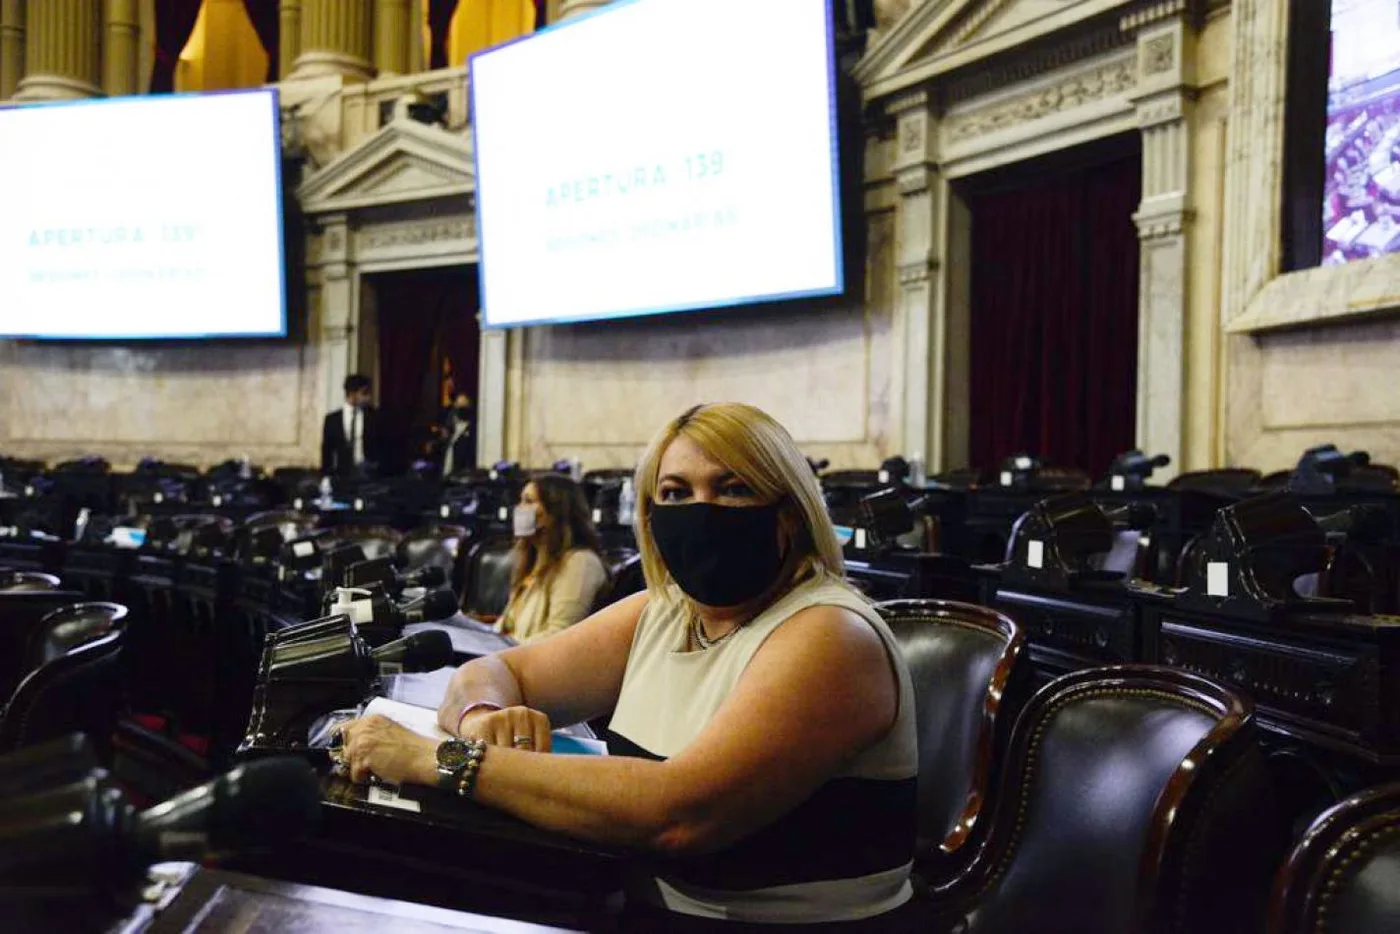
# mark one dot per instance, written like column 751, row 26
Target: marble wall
column 599, row 391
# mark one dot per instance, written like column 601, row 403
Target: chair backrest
column 71, row 627
column 972, row 674
column 376, row 541
column 1134, row 799
column 26, row 581
column 625, row 576
column 489, row 566
column 1340, row 878
column 76, row 693
column 1227, row 480
column 438, row 545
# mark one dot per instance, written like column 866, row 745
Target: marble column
column 288, row 36
column 337, row 38
column 1163, row 100
column 121, row 46
column 918, row 307
column 569, row 8
column 63, row 50
column 11, row 46
column 393, row 24
column 339, row 309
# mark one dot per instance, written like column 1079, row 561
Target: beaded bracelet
column 474, row 705
column 466, row 780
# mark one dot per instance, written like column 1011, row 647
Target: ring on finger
column 521, row 741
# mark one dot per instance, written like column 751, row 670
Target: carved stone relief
column 1106, row 81
column 1158, row 55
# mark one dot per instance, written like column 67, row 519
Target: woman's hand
column 380, row 747
column 520, row 727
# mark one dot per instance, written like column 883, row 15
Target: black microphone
column 1367, row 523
column 430, row 577
column 1132, row 516
column 255, row 806
column 422, row 651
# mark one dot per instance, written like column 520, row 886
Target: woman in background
column 558, row 571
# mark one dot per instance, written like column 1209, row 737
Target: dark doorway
column 1054, row 307
column 428, row 342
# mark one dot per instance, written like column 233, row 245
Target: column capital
column 63, row 50
column 571, row 8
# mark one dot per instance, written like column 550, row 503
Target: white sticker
column 494, row 475
column 298, row 503
column 860, row 538
column 502, row 513
column 29, row 491
column 445, row 511
column 1023, row 463
column 218, row 500
column 1006, row 478
column 1035, row 553
column 158, row 498
column 597, row 516
column 359, row 505
column 1218, row 579
column 303, row 549
column 883, row 476
column 388, row 798
column 1117, row 483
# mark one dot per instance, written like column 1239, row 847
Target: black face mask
column 719, row 555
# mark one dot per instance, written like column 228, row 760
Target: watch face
column 452, row 755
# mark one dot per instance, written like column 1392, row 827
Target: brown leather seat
column 971, row 675
column 1134, row 800
column 1341, row 877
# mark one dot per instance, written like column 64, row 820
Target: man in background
column 350, row 435
column 458, row 436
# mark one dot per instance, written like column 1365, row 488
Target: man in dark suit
column 458, row 436
column 350, row 435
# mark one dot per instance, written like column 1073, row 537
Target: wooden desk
column 217, row 901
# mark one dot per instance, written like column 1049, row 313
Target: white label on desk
column 158, row 498
column 860, row 539
column 387, row 797
column 1116, row 483
column 883, row 476
column 445, row 511
column 597, row 517
column 502, row 513
column 1006, row 478
column 1035, row 553
column 303, row 549
column 1218, row 579
column 218, row 501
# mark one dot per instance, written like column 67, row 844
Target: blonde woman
column 762, row 718
column 558, row 572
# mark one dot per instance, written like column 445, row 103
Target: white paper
column 1218, row 579
column 423, row 721
column 387, row 797
column 1035, row 553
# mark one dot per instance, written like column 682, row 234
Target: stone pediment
column 404, row 162
column 938, row 36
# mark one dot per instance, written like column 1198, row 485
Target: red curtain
column 439, row 19
column 263, row 14
column 1054, row 317
column 175, row 21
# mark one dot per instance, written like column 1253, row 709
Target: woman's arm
column 571, row 678
column 572, row 592
column 818, row 692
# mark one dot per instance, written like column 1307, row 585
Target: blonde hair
column 761, row 453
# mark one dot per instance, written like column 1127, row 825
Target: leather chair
column 625, row 577
column 972, row 674
column 438, row 545
column 26, row 581
column 1227, row 481
column 376, row 541
column 1134, row 800
column 70, row 627
column 1340, row 878
column 489, row 564
column 78, row 692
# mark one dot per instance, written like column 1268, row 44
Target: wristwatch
column 452, row 758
